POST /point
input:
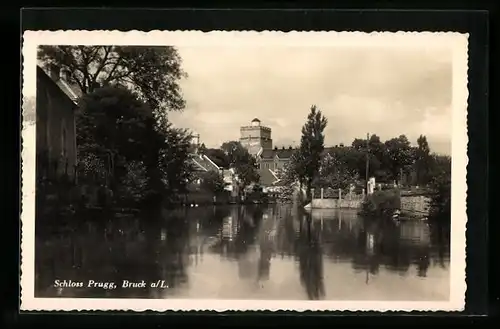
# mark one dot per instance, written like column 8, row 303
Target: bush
column 440, row 207
column 382, row 203
column 212, row 181
column 133, row 185
column 440, row 185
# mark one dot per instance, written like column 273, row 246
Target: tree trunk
column 309, row 187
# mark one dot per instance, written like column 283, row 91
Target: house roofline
column 274, row 175
column 62, row 85
column 199, row 165
column 70, row 90
column 209, row 160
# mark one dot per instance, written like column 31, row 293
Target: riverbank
column 334, row 204
column 407, row 205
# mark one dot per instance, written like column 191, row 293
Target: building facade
column 55, row 126
column 256, row 137
column 271, row 162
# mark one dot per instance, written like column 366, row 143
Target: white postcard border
column 457, row 42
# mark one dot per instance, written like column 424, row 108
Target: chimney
column 54, row 71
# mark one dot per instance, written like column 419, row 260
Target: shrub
column 134, row 184
column 382, row 203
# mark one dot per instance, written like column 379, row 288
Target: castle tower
column 255, row 137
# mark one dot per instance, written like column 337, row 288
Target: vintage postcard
column 182, row 170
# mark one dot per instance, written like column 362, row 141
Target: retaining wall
column 411, row 204
column 334, row 204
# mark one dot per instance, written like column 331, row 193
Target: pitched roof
column 284, row 153
column 281, row 153
column 203, row 163
column 73, row 92
column 267, row 177
column 255, row 120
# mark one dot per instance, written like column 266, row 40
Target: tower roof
column 255, row 120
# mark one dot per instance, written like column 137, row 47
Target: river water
column 246, row 252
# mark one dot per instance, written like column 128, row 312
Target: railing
column 329, row 193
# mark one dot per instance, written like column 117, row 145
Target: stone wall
column 410, row 204
column 415, row 204
column 334, row 204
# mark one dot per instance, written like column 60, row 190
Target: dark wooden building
column 55, row 125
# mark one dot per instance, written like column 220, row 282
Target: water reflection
column 246, row 252
column 310, row 257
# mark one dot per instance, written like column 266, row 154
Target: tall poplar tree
column 312, row 144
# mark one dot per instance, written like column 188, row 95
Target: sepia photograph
column 244, row 171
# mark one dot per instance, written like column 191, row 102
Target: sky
column 382, row 91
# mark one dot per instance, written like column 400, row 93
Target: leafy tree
column 359, row 144
column 289, row 174
column 357, row 155
column 440, row 171
column 92, row 168
column 134, row 182
column 311, row 147
column 422, row 160
column 173, row 162
column 334, row 173
column 111, row 124
column 400, row 155
column 115, row 125
column 352, row 158
column 376, row 152
column 242, row 162
column 212, row 181
column 378, row 158
column 218, row 157
column 152, row 72
column 235, row 152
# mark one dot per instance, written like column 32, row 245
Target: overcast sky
column 387, row 92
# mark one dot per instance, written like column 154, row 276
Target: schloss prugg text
column 109, row 285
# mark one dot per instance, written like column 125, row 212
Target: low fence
column 335, row 199
column 330, row 193
column 411, row 203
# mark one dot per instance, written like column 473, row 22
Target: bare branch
column 110, row 76
column 107, row 51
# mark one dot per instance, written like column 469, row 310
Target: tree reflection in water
column 132, row 248
column 163, row 246
column 310, row 259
